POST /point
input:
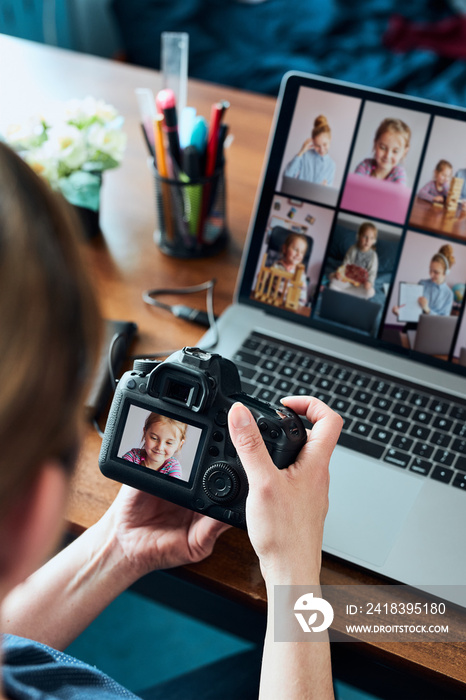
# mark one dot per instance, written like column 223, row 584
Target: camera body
column 181, row 405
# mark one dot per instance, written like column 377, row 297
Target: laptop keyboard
column 390, row 421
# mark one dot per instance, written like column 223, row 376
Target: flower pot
column 89, row 221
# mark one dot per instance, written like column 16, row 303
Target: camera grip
column 109, row 428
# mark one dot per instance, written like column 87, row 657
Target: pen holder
column 191, row 215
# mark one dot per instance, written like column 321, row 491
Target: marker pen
column 166, row 105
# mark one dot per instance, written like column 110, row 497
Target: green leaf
column 82, row 189
column 101, row 161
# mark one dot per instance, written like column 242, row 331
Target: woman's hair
column 364, row 227
column 50, row 327
column 442, row 164
column 293, row 237
column 445, row 256
column 158, row 418
column 395, row 126
column 321, row 126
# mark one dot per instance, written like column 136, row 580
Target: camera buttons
column 218, row 436
column 274, row 434
column 143, row 367
column 220, row 482
column 221, row 418
column 214, row 451
column 230, row 450
column 232, row 516
column 131, row 384
column 262, row 425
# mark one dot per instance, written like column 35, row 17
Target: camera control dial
column 144, row 366
column 220, row 482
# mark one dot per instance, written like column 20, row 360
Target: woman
column 313, row 162
column 437, row 296
column 48, row 348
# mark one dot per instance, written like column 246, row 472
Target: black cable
column 204, row 318
column 111, row 369
column 111, row 374
column 98, row 429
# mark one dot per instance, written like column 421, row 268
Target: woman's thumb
column 248, row 442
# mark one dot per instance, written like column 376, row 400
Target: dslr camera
column 167, row 433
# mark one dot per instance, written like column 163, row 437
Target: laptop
column 434, row 334
column 308, row 190
column 347, row 309
column 398, row 474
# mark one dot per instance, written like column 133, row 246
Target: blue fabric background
column 252, row 46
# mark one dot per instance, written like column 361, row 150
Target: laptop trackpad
column 369, row 503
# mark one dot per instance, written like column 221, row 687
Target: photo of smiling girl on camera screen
column 167, row 446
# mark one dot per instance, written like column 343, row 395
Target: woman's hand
column 156, row 534
column 308, row 145
column 286, row 509
column 137, row 534
column 424, row 304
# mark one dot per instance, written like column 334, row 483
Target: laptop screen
column 360, row 227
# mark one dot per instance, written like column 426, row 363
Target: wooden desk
column 438, row 220
column 125, row 261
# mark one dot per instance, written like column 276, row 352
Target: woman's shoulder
column 31, row 670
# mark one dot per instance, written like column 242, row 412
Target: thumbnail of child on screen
column 358, row 270
column 162, row 437
column 293, row 251
column 313, row 163
column 437, row 297
column 437, row 189
column 391, row 144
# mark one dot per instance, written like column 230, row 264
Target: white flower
column 84, row 111
column 69, row 146
column 43, row 164
column 23, row 137
column 72, row 150
column 108, row 141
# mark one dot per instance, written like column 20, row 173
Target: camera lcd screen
column 159, row 443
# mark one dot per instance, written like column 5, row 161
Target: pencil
column 161, row 166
